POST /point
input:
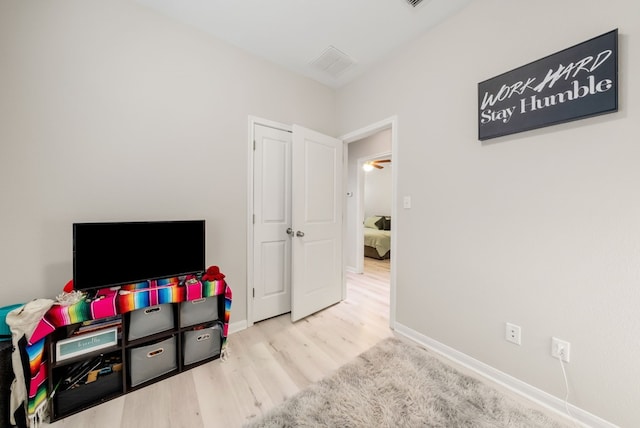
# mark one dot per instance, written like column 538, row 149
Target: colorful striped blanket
column 38, row 378
column 108, row 303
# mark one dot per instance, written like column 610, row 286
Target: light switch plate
column 407, row 202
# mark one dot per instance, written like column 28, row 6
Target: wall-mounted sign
column 575, row 83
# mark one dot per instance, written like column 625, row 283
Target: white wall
column 540, row 228
column 377, row 191
column 368, row 147
column 110, row 111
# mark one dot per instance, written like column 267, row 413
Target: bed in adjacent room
column 377, row 237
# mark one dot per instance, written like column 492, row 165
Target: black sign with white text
column 575, row 83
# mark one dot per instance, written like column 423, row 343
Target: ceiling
column 353, row 35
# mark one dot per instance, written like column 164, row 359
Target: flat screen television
column 117, row 253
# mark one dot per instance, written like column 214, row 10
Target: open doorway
column 363, row 205
column 373, row 220
column 374, row 227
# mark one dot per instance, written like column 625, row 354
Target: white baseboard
column 351, row 269
column 237, row 326
column 529, row 392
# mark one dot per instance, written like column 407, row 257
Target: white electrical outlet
column 513, row 333
column 560, row 349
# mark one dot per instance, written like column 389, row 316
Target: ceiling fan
column 368, row 166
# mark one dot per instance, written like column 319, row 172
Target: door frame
column 392, row 123
column 253, row 120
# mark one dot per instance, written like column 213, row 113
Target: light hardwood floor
column 265, row 364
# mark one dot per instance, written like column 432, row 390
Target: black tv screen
column 117, row 253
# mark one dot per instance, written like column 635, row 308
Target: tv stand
column 95, row 361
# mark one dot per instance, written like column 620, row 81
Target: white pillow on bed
column 370, row 222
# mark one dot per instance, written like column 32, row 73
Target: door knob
column 299, row 234
column 289, row 231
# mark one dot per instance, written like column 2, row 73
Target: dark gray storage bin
column 84, row 395
column 198, row 311
column 151, row 320
column 150, row 361
column 201, row 344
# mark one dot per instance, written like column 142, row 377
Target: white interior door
column 272, row 210
column 317, row 222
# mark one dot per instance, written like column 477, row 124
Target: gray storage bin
column 147, row 321
column 150, row 361
column 201, row 344
column 198, row 311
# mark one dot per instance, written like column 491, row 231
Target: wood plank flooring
column 265, row 364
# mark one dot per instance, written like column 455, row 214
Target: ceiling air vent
column 333, row 61
column 414, row 3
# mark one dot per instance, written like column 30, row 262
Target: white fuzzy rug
column 396, row 384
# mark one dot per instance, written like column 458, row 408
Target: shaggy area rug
column 397, row 384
